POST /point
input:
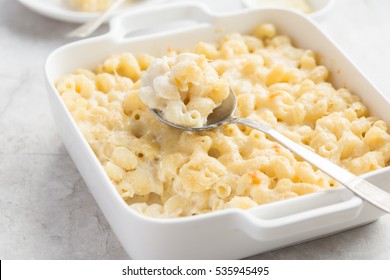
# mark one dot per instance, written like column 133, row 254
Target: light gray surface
column 47, row 212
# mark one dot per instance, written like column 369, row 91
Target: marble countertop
column 46, row 210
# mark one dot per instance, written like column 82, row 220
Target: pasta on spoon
column 185, row 89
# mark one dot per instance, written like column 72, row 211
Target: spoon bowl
column 221, row 115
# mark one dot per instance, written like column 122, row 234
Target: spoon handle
column 359, row 186
column 89, row 27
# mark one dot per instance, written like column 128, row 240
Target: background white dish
column 57, row 9
column 320, row 7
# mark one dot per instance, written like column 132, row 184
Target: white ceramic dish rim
column 115, row 29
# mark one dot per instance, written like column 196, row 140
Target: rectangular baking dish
column 232, row 233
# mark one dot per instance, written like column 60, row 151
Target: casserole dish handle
column 299, row 217
column 157, row 17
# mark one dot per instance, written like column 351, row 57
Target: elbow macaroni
column 184, row 88
column 300, row 5
column 90, row 5
column 164, row 172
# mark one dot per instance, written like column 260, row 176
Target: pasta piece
column 90, row 5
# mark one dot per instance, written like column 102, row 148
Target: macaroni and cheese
column 164, row 172
column 185, row 88
column 299, row 5
column 90, row 5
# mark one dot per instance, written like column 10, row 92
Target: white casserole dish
column 232, row 233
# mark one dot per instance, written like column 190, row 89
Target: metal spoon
column 223, row 114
